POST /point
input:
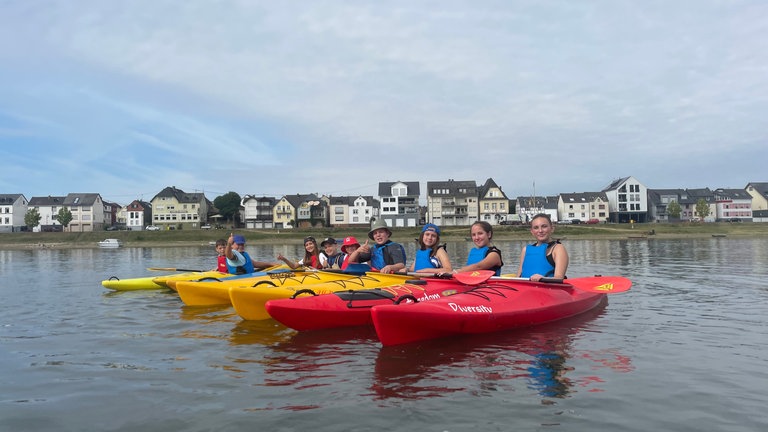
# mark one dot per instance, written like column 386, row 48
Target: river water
column 682, row 351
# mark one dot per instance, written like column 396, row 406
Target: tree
column 674, row 209
column 228, row 205
column 702, row 208
column 32, row 218
column 64, row 216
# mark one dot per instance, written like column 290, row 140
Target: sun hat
column 328, row 241
column 431, row 227
column 238, row 239
column 378, row 224
column 348, row 241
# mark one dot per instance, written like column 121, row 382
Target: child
column 221, row 259
column 333, row 258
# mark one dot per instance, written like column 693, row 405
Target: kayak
column 214, row 291
column 499, row 304
column 215, row 275
column 169, row 281
column 250, row 302
column 131, row 284
column 353, row 307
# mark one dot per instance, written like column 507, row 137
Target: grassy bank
column 202, row 237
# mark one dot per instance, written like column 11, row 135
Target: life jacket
column 538, row 260
column 336, row 261
column 478, row 254
column 386, row 254
column 221, row 264
column 425, row 259
column 247, row 267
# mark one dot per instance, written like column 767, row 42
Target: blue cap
column 431, row 227
column 239, row 239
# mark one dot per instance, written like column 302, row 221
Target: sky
column 124, row 98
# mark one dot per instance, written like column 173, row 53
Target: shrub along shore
column 174, row 238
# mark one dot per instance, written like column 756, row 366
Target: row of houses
column 448, row 203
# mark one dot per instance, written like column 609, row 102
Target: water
column 682, row 351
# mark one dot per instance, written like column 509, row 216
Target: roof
column 487, row 186
column 455, row 188
column 47, row 201
column 9, row 198
column 385, row 188
column 181, row 196
column 81, row 199
column 584, row 197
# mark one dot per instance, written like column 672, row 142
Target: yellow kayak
column 169, row 281
column 213, row 292
column 249, row 301
column 131, row 284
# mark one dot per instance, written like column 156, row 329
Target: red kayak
column 353, row 308
column 496, row 305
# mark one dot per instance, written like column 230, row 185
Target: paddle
column 173, row 269
column 594, row 284
column 474, row 277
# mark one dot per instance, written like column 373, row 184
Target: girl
column 544, row 257
column 431, row 256
column 483, row 256
column 311, row 256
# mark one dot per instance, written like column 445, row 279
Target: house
column 583, row 206
column 759, row 194
column 627, row 200
column 48, row 209
column 258, row 211
column 13, row 209
column 173, row 208
column 527, row 207
column 452, row 203
column 87, row 212
column 111, row 211
column 135, row 215
column 733, row 205
column 399, row 203
column 688, row 199
column 300, row 211
column 493, row 204
column 349, row 211
column 658, row 201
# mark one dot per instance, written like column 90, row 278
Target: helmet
column 378, row 224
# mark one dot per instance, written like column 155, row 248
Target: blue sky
column 125, row 98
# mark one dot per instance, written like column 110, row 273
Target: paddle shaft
column 173, row 269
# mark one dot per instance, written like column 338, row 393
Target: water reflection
column 487, row 363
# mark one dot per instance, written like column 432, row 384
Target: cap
column 431, row 227
column 348, row 241
column 238, row 239
column 328, row 241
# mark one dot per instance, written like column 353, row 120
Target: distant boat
column 110, row 243
column 718, row 235
column 637, row 237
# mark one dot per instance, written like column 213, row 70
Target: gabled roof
column 9, row 198
column 81, row 199
column 47, row 201
column 760, row 187
column 547, row 202
column 181, row 196
column 739, row 194
column 261, row 199
column 138, row 205
column 461, row 188
column 615, row 184
column 584, row 197
column 385, row 188
column 487, row 186
column 298, row 199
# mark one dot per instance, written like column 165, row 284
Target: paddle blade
column 475, row 277
column 601, row 284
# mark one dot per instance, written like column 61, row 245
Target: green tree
column 702, row 208
column 228, row 205
column 64, row 216
column 674, row 209
column 32, row 218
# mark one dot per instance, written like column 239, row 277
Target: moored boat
column 496, row 305
column 110, row 243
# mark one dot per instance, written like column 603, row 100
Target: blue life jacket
column 387, row 254
column 425, row 260
column 537, row 261
column 241, row 269
column 478, row 254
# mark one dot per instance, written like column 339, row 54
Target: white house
column 13, row 208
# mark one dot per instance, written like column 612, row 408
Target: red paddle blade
column 601, row 284
column 475, row 277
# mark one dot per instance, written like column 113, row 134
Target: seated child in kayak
column 385, row 255
column 238, row 260
column 311, row 256
column 484, row 256
column 431, row 256
column 544, row 257
column 331, row 258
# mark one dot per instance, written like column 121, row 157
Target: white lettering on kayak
column 475, row 309
column 427, row 297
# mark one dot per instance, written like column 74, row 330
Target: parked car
column 152, row 228
column 564, row 222
column 576, row 221
column 593, row 221
column 206, row 226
